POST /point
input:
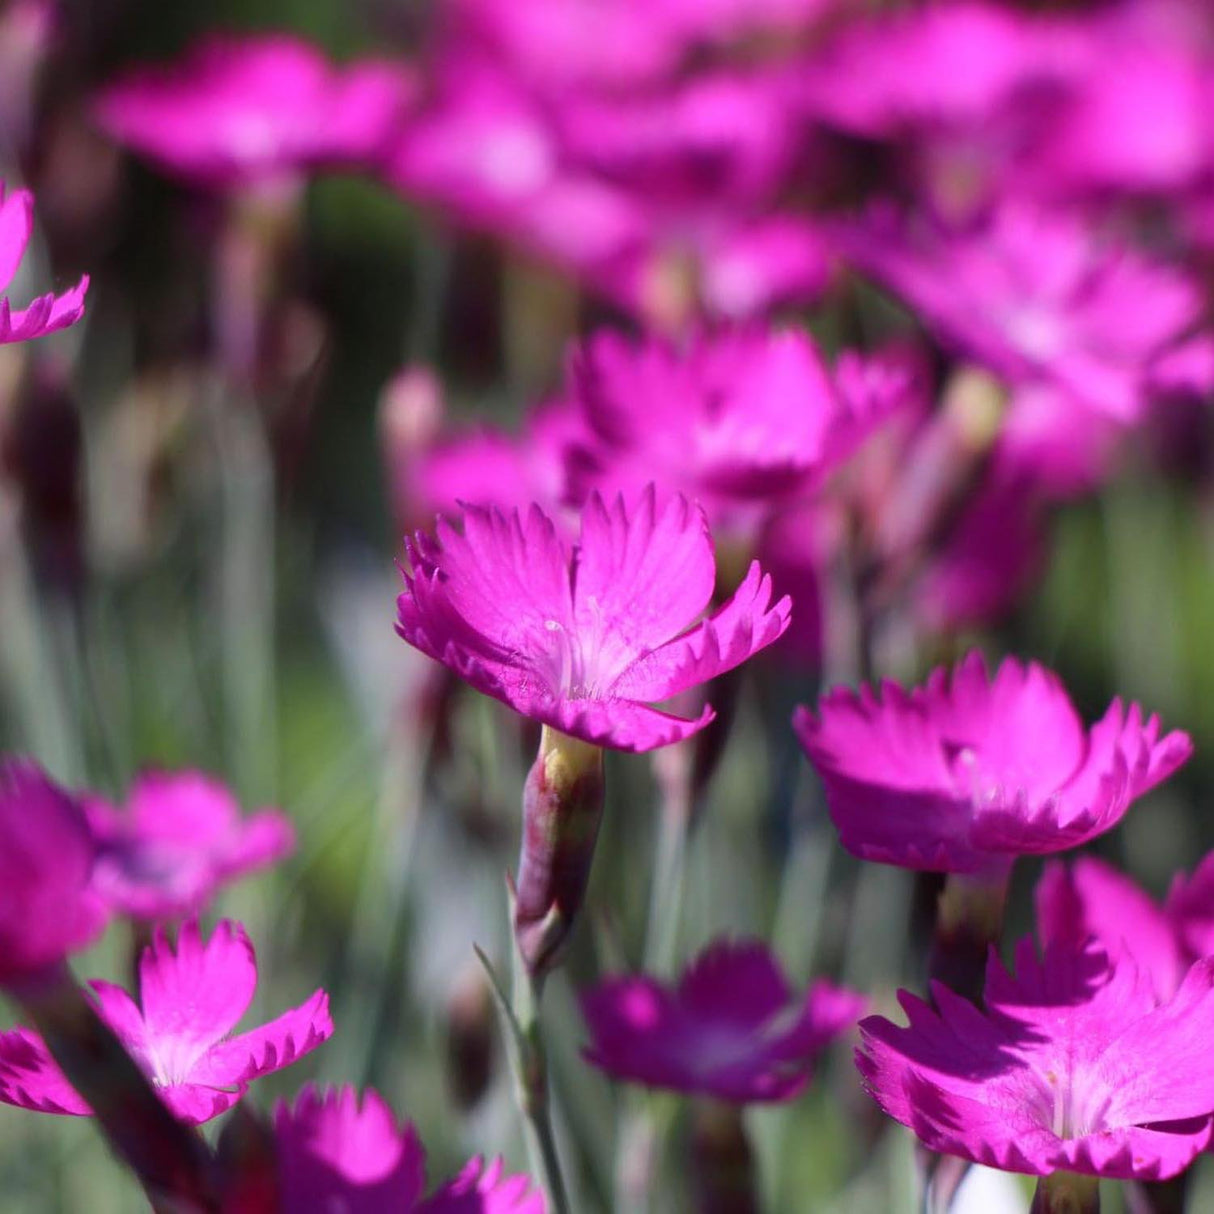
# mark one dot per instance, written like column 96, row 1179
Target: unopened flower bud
column 562, row 808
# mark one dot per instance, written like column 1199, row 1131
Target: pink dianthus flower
column 47, row 906
column 584, row 637
column 192, row 999
column 181, row 838
column 732, row 1028
column 239, row 111
column 1038, row 297
column 1075, row 1066
column 1090, row 899
column 48, row 312
column 336, row 1151
column 969, row 771
column 737, row 420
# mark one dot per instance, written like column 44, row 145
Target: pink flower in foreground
column 731, row 1028
column 240, row 111
column 584, row 637
column 47, row 908
column 47, row 313
column 335, row 1152
column 1075, row 1066
column 968, row 771
column 181, row 838
column 191, row 1000
column 1038, row 297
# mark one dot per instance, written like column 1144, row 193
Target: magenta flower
column 712, row 259
column 732, row 1028
column 192, row 999
column 487, row 467
column 584, row 637
column 47, row 907
column 993, row 554
column 48, row 312
column 967, row 772
column 247, row 111
column 737, row 421
column 1092, row 900
column 483, row 151
column 335, row 1152
column 1190, row 909
column 1075, row 1066
column 1037, row 297
column 953, row 66
column 181, row 838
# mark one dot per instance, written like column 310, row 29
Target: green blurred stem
column 530, row 1063
column 969, row 919
column 1066, row 1193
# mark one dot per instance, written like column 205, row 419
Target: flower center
column 1070, row 1106
column 584, row 661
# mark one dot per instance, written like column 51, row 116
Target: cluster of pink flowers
column 707, row 482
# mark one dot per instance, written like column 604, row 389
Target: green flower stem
column 1066, row 1193
column 520, row 1018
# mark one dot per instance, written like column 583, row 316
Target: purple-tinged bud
column 562, row 808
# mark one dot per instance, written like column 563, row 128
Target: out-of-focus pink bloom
column 648, row 223
column 483, row 1189
column 1037, row 297
column 181, row 838
column 245, row 111
column 1092, row 899
column 1056, row 446
column 731, row 1028
column 736, row 420
column 587, row 637
column 956, row 65
column 989, row 559
column 47, row 906
column 337, row 1152
column 487, row 467
column 713, row 259
column 1190, row 908
column 1074, row 1066
column 576, row 45
column 488, row 155
column 191, row 1000
column 48, row 312
column 724, row 133
column 1137, row 123
column 794, row 548
column 967, row 772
